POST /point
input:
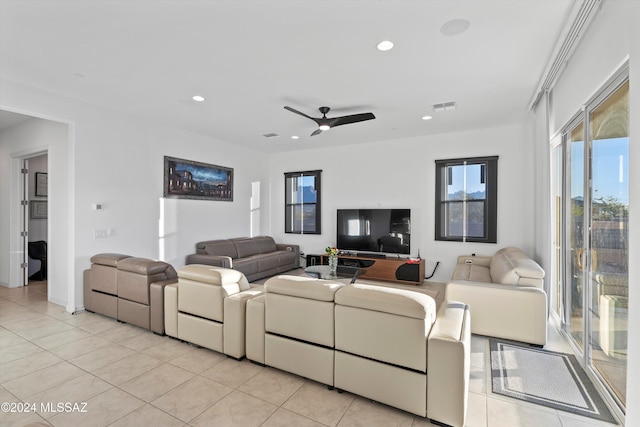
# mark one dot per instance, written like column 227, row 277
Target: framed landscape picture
column 186, row 179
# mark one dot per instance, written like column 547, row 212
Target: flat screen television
column 374, row 230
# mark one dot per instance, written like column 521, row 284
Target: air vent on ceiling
column 445, row 106
column 270, row 135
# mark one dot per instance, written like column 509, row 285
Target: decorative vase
column 333, row 264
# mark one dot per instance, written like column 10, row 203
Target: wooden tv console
column 390, row 269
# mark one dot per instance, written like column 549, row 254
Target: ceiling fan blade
column 316, row 132
column 299, row 112
column 354, row 118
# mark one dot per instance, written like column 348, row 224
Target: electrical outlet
column 468, row 261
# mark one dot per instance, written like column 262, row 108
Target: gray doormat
column 546, row 378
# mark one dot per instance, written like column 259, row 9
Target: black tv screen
column 374, row 230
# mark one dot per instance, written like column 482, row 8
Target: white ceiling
column 251, row 58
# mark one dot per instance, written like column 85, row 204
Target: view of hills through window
column 466, row 184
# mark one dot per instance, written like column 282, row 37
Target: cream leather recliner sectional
column 207, row 307
column 386, row 344
column 506, row 295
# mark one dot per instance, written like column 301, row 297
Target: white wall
column 401, row 174
column 24, row 140
column 118, row 160
column 613, row 36
column 599, row 54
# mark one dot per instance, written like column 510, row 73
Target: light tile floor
column 122, row 375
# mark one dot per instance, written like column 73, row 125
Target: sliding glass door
column 594, row 283
column 609, row 238
column 575, row 239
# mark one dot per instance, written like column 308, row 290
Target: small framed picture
column 38, row 209
column 41, row 184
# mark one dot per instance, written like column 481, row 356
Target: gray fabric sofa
column 255, row 257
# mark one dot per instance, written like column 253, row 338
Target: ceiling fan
column 325, row 123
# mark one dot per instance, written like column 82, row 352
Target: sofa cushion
column 248, row 266
column 286, row 257
column 246, row 247
column 388, row 300
column 472, row 272
column 104, row 279
column 265, row 244
column 219, row 247
column 509, row 264
column 268, row 262
column 301, row 308
column 303, row 287
column 144, row 266
column 108, row 259
column 386, row 324
column 214, row 275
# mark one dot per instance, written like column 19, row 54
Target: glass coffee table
column 324, row 272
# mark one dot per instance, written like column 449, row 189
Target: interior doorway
column 25, row 136
column 37, row 172
column 31, row 232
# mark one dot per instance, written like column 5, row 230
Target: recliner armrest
column 255, row 329
column 292, row 248
column 156, row 304
column 171, row 310
column 448, row 364
column 513, row 312
column 235, row 322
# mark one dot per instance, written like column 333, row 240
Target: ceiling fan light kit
column 325, row 123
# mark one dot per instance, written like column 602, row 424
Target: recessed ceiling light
column 385, row 45
column 198, row 98
column 427, row 118
column 295, row 137
column 455, row 27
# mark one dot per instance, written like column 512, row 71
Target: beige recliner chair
column 207, row 307
column 300, row 326
column 506, row 295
